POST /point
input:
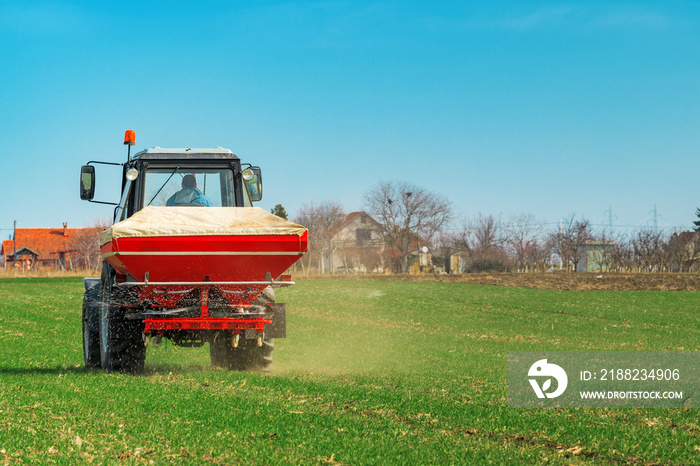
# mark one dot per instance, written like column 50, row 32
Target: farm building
column 596, row 256
column 59, row 248
column 356, row 245
column 456, row 261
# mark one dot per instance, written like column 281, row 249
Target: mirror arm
column 102, row 202
column 104, row 163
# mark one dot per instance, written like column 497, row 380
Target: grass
column 372, row 372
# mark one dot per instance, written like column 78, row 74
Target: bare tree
column 551, row 246
column 677, row 246
column 318, row 219
column 85, row 245
column 487, row 235
column 648, row 246
column 410, row 215
column 618, row 254
column 541, row 255
column 522, row 235
column 571, row 239
column 662, row 257
column 483, row 239
column 683, row 250
column 605, row 253
column 441, row 249
column 694, row 252
column 479, row 236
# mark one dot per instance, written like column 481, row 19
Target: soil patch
column 559, row 280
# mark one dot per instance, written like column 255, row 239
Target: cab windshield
column 189, row 187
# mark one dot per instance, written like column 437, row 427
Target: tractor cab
column 179, row 177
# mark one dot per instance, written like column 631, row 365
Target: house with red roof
column 60, row 248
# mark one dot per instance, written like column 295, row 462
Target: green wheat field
column 372, row 372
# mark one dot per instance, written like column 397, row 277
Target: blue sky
column 504, row 107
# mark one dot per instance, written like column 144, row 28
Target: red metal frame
column 209, row 323
column 169, row 296
column 204, row 321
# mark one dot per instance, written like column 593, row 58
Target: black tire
column 91, row 326
column 251, row 357
column 121, row 343
column 248, row 356
column 217, row 350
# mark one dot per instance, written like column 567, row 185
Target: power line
column 610, row 216
column 641, row 227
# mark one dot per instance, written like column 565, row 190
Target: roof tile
column 47, row 242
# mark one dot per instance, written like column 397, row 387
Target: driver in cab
column 189, row 194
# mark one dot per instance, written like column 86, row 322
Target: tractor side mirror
column 87, row 182
column 253, row 180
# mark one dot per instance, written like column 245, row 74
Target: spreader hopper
column 188, row 245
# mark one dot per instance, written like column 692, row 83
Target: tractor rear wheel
column 91, row 327
column 248, row 356
column 121, row 343
column 251, row 357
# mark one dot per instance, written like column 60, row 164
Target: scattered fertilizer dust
column 339, row 337
column 375, row 293
column 343, row 351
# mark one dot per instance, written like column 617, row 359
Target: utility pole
column 610, row 217
column 560, row 259
column 14, row 241
column 656, row 219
